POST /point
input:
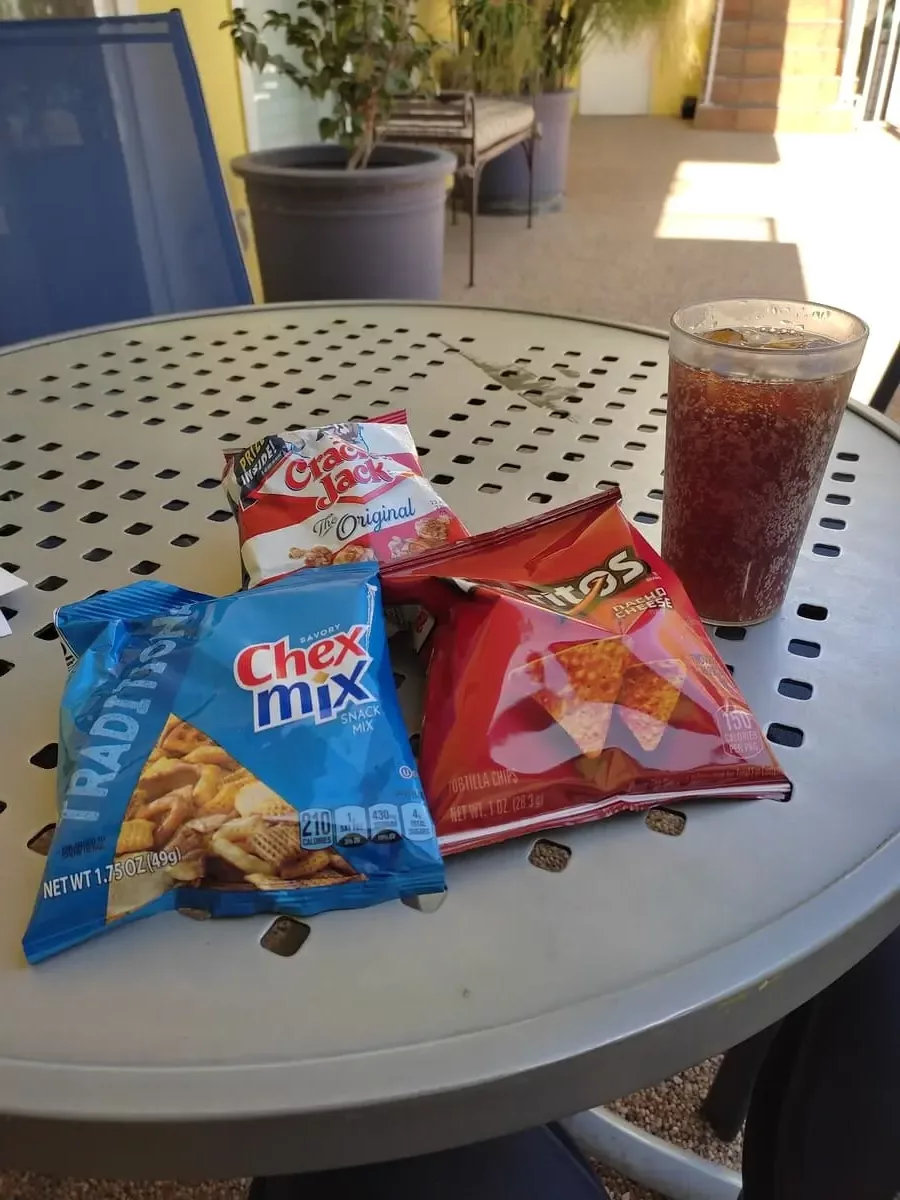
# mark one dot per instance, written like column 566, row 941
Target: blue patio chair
column 889, row 387
column 112, row 205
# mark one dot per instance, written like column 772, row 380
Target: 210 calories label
column 353, row 825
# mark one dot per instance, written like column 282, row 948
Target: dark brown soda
column 744, row 461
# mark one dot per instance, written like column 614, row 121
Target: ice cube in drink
column 768, row 339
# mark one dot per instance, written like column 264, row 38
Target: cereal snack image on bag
column 236, row 755
column 569, row 679
column 342, row 493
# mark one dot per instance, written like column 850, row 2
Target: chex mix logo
column 317, row 681
column 343, row 472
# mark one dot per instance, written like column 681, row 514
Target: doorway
column 877, row 77
column 616, row 79
column 276, row 112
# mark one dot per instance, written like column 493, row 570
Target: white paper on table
column 8, row 583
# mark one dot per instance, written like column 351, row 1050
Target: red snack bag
column 570, row 679
column 337, row 494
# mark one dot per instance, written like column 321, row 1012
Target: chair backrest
column 889, row 385
column 112, row 204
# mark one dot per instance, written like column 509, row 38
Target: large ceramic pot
column 325, row 233
column 504, row 181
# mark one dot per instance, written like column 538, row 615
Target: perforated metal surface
column 529, row 993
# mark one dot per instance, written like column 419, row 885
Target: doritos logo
column 342, row 472
column 578, row 595
column 316, row 681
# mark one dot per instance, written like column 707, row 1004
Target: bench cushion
column 497, row 120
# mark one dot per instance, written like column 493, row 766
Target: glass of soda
column 757, row 389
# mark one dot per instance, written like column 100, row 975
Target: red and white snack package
column 337, row 494
column 569, row 678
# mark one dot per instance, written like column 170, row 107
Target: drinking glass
column 757, row 389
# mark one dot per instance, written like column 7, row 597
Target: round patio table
column 178, row 1048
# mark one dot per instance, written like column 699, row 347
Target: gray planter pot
column 324, row 233
column 504, row 182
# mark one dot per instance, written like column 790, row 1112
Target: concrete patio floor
column 659, row 214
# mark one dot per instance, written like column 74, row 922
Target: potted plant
column 498, row 53
column 352, row 217
column 563, row 30
column 497, row 49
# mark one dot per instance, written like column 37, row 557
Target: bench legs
column 473, row 219
column 529, row 148
column 473, row 174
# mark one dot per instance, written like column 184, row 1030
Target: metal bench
column 475, row 129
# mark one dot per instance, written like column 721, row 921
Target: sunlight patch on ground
column 709, row 227
column 723, row 201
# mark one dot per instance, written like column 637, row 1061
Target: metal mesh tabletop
column 174, row 1047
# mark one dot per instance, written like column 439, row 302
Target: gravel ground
column 668, row 1110
column 14, row 1186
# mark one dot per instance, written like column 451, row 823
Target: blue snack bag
column 241, row 755
column 80, row 623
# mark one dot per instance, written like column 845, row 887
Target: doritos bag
column 569, row 678
column 239, row 755
column 342, row 493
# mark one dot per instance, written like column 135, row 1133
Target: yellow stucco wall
column 679, row 61
column 222, row 91
column 434, row 15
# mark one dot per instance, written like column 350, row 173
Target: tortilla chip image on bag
column 568, row 679
column 648, row 696
column 237, row 755
column 585, row 681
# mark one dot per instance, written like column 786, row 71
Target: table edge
column 312, row 305
column 841, row 923
column 867, row 894
column 861, row 408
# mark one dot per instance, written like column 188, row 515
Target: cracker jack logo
column 572, row 597
column 316, row 681
column 342, row 472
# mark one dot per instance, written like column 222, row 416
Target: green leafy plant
column 508, row 47
column 498, row 47
column 568, row 26
column 361, row 54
